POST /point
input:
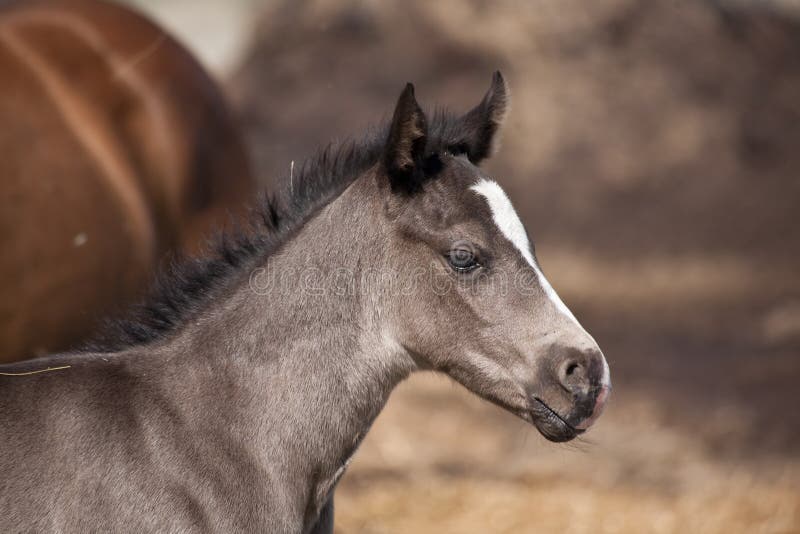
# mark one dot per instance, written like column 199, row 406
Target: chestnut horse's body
column 115, row 147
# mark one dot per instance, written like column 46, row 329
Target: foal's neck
column 309, row 344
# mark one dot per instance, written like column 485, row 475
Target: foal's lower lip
column 550, row 424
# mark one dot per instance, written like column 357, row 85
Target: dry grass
column 440, row 461
column 440, row 504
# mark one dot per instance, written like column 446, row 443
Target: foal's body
column 229, row 424
column 236, row 403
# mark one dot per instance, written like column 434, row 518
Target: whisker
column 27, row 373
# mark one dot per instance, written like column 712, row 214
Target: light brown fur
column 116, row 147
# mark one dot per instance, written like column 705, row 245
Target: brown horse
column 116, row 147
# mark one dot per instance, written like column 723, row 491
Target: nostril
column 571, row 368
column 572, row 374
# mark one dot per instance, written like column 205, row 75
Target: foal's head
column 475, row 303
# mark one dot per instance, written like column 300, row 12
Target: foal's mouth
column 550, row 424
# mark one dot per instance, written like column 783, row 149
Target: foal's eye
column 462, row 259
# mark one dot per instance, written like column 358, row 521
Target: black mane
column 186, row 285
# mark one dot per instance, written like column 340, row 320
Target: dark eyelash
column 458, row 149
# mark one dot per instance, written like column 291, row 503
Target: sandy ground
column 438, row 460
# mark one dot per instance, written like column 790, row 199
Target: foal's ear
column 479, row 127
column 405, row 148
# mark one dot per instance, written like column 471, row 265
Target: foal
column 236, row 399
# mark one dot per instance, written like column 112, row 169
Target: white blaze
column 510, row 225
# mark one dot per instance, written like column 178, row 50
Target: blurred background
column 653, row 151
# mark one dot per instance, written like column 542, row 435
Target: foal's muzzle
column 584, row 379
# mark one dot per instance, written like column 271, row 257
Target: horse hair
column 186, row 284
